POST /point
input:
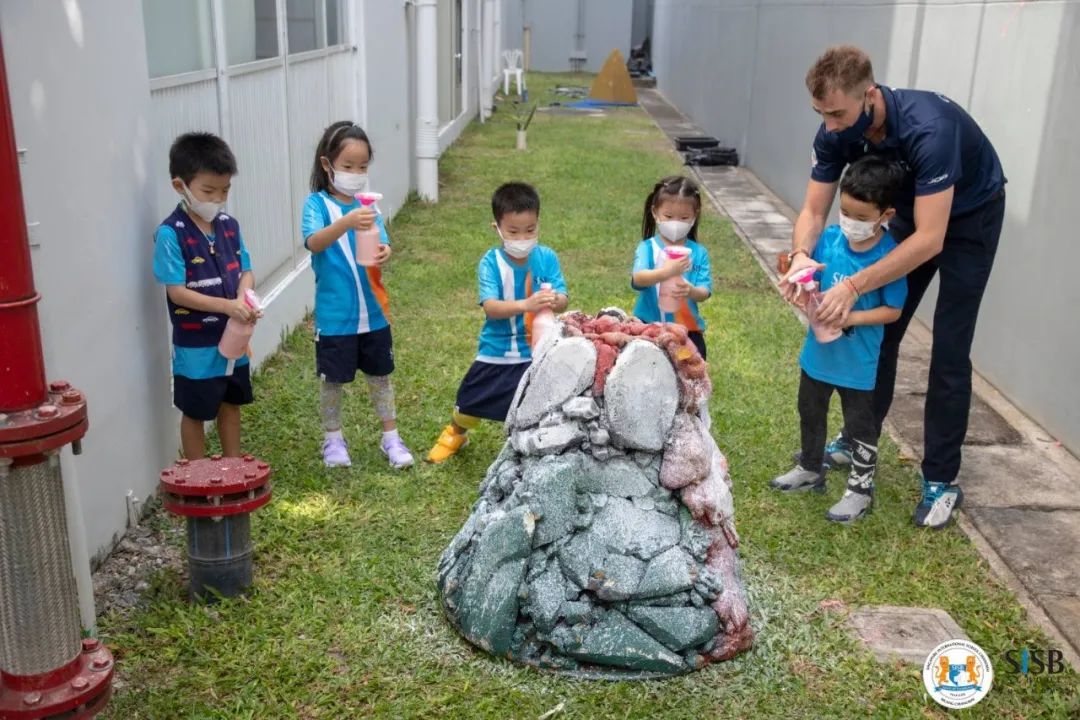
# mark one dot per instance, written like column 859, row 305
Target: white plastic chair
column 513, row 59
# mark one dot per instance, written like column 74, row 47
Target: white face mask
column 857, row 230
column 673, row 230
column 348, row 183
column 203, row 208
column 518, row 248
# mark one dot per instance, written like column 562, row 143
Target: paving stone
column 1041, row 547
column 908, row 633
column 1065, row 611
column 985, row 425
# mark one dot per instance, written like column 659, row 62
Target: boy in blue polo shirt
column 849, row 363
column 200, row 258
column 509, row 277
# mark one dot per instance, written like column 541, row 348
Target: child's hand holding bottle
column 239, row 310
column 382, row 254
column 361, row 218
column 680, row 289
column 540, row 300
column 677, row 267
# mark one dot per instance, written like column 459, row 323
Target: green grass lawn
column 344, row 621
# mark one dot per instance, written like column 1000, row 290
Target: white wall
column 607, row 26
column 95, row 176
column 89, row 178
column 385, row 50
column 737, row 68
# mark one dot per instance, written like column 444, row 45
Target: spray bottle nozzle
column 803, row 276
column 368, row 198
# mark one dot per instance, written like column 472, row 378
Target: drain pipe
column 47, row 669
column 578, row 61
column 427, row 99
column 487, row 59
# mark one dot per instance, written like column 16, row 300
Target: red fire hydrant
column 217, row 496
column 47, row 669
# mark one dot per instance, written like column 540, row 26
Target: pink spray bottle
column 237, row 335
column 804, row 283
column 368, row 241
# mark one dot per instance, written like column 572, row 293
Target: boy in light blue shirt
column 510, row 278
column 200, row 258
column 848, row 364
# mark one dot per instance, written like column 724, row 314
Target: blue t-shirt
column 350, row 299
column 649, row 256
column 506, row 341
column 851, row 360
column 197, row 363
column 933, row 139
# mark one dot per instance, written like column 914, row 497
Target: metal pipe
column 217, row 496
column 46, row 669
column 22, row 367
column 487, row 60
column 427, row 100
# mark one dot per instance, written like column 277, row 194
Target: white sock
column 334, row 435
column 389, row 435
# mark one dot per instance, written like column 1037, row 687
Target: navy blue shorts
column 488, row 389
column 698, row 338
column 338, row 357
column 201, row 399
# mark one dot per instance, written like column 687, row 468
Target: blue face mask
column 856, row 132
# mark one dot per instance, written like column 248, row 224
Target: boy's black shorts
column 201, row 399
column 338, row 357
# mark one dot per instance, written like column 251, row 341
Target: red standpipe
column 47, row 669
column 22, row 368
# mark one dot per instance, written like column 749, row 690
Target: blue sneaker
column 935, row 509
column 837, row 454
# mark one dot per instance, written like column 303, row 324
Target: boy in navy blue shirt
column 200, row 258
column 848, row 364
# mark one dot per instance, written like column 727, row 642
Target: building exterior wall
column 96, row 118
column 606, row 25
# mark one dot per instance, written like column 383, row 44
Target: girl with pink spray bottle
column 349, row 246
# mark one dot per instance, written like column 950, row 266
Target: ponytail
column 674, row 186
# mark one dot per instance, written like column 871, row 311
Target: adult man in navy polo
column 948, row 221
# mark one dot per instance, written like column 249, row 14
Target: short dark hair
column 514, row 197
column 842, row 67
column 333, row 138
column 196, row 152
column 873, row 179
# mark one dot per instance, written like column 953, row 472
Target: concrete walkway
column 1022, row 488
